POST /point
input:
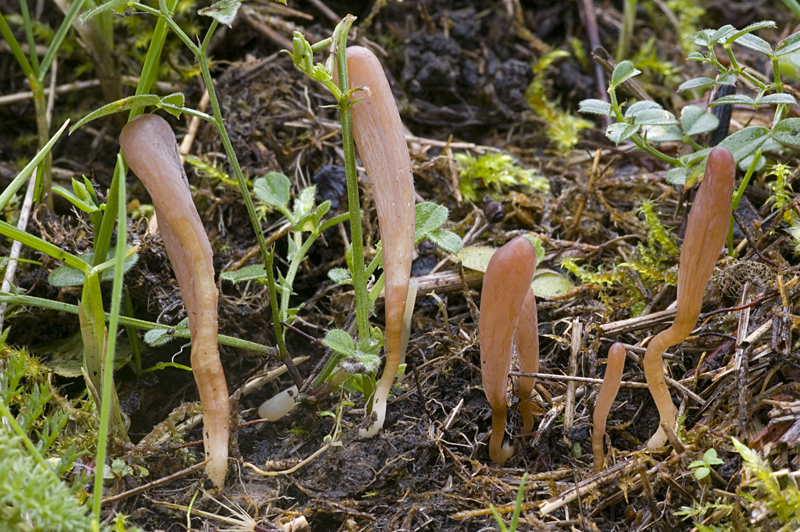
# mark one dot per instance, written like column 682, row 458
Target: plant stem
column 110, row 403
column 43, row 132
column 12, row 299
column 353, row 200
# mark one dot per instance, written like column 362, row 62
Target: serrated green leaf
column 655, row 117
column 754, row 43
column 622, row 72
column 340, row 342
column 223, row 11
column 273, row 189
column 428, row 217
column 446, row 240
column 701, row 38
column 639, row 107
column 254, row 272
column 748, row 29
column 787, row 132
column 726, row 79
column 677, row 176
column 744, row 142
column 777, row 98
column 340, row 275
column 620, row 131
column 733, row 99
column 723, row 32
column 695, row 120
column 595, row 107
column 695, row 83
column 788, row 45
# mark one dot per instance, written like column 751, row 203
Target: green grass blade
column 26, row 19
column 44, row 247
column 113, row 323
column 16, row 49
column 18, row 181
column 58, row 38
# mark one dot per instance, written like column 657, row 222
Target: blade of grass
column 18, row 181
column 108, row 366
column 58, row 38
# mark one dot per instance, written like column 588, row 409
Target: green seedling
column 702, row 467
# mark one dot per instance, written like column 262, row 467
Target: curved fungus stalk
column 505, row 287
column 527, row 341
column 605, row 398
column 706, row 231
column 150, row 149
column 381, row 143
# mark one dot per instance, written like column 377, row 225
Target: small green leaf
column 695, row 83
column 754, row 43
column 125, row 104
column 723, row 32
column 340, row 275
column 701, row 38
column 622, row 72
column 273, row 189
column 696, row 56
column 733, row 99
column 726, row 79
column 223, row 11
column 655, row 117
column 116, row 5
column 639, row 107
column 446, row 240
column 304, row 202
column 254, row 272
column 701, row 472
column 788, row 45
column 787, row 132
column 777, row 98
column 664, row 134
column 677, row 176
column 72, row 198
column 537, row 244
column 695, row 120
column 620, row 132
column 549, row 283
column 476, row 257
column 428, row 217
column 176, row 99
column 340, row 342
column 744, row 142
column 595, row 107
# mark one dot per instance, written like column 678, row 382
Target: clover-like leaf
column 622, row 72
column 621, row 131
column 595, row 107
column 223, row 11
column 273, row 189
column 695, row 120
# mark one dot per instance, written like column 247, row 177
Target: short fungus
column 150, row 149
column 381, row 143
column 605, row 398
column 527, row 341
column 505, row 288
column 706, row 231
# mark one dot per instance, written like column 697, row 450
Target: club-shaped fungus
column 505, row 286
column 706, row 230
column 150, row 149
column 605, row 398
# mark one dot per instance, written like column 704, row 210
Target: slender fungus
column 527, row 340
column 381, row 142
column 706, row 230
column 505, row 286
column 605, row 398
column 149, row 147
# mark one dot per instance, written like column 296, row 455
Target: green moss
column 493, row 171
